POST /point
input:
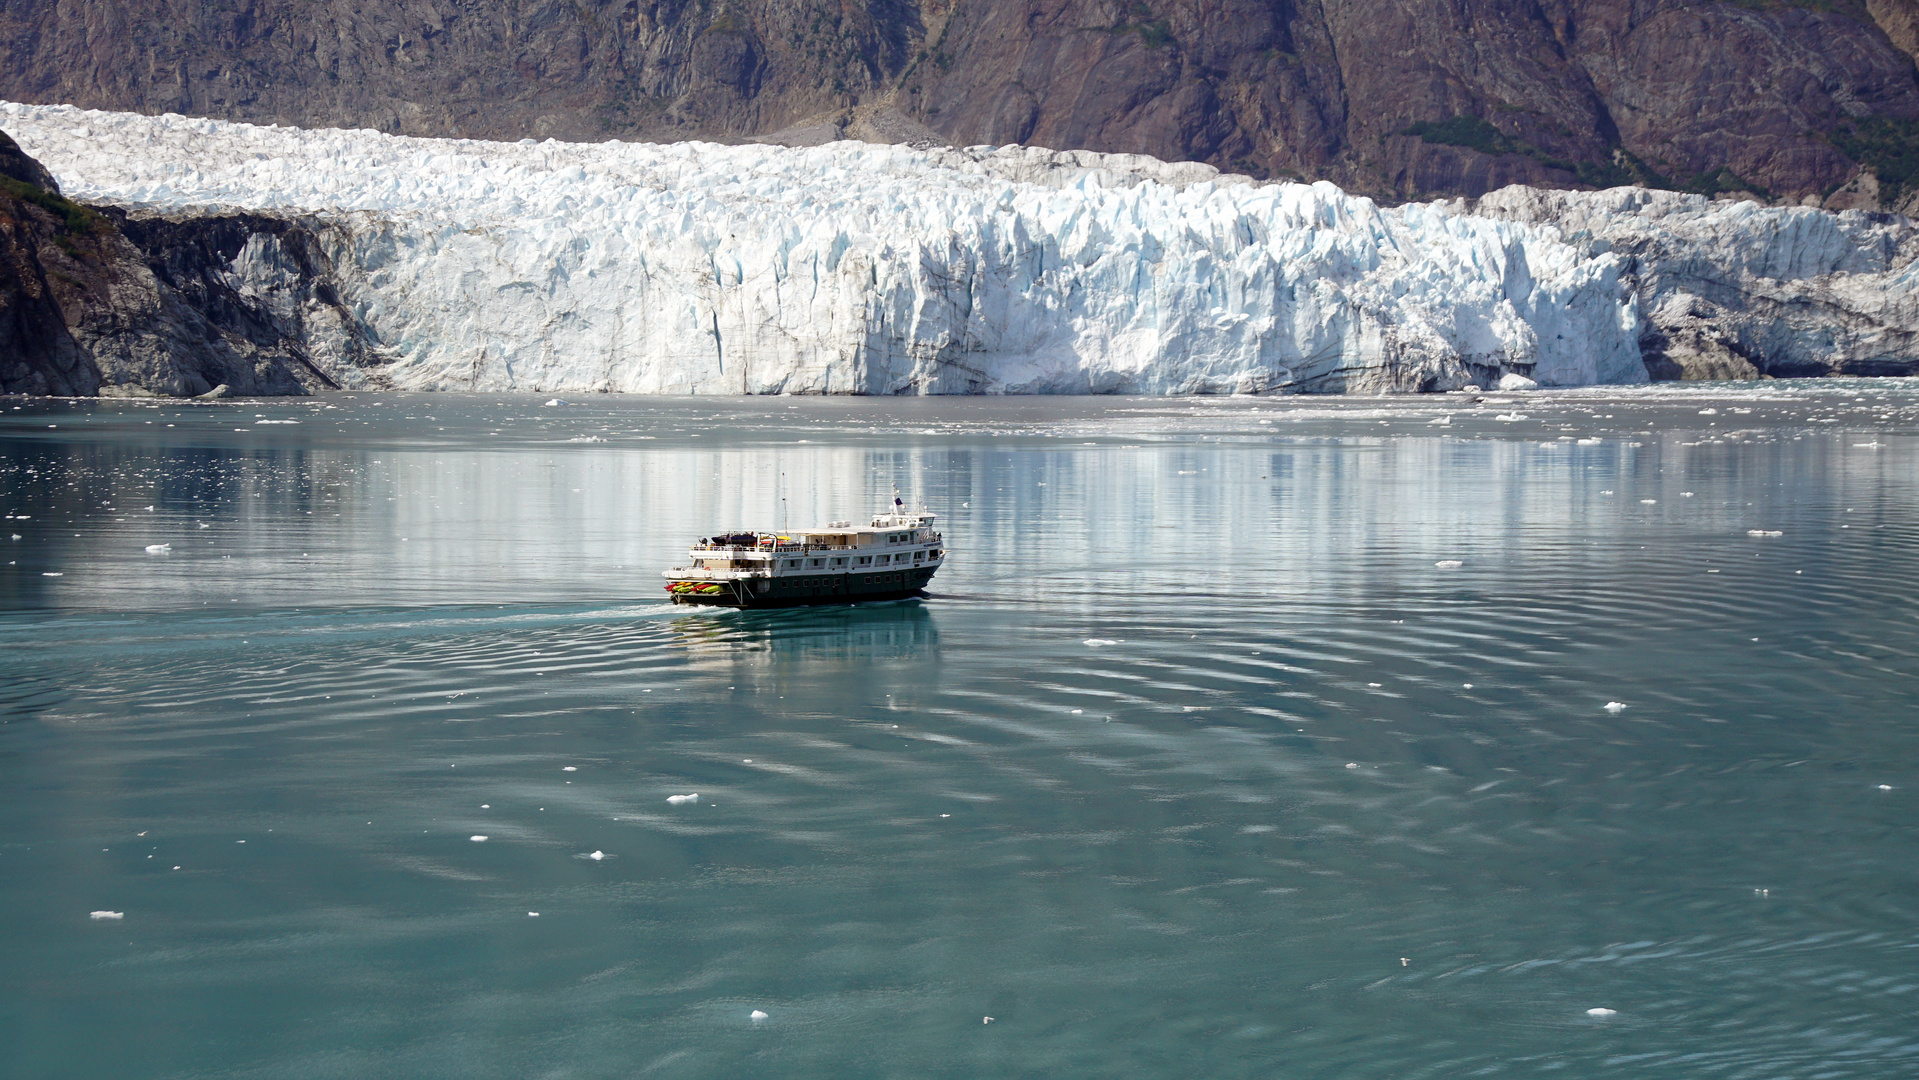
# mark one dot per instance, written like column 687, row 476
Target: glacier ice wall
column 850, row 268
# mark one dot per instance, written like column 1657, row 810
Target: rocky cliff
column 1787, row 99
column 84, row 310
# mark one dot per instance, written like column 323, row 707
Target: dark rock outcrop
column 1398, row 98
column 86, row 311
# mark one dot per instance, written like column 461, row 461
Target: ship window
column 918, row 555
column 819, row 562
column 881, row 559
column 866, row 560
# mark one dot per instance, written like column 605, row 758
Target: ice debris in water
column 1096, row 642
column 1602, row 1012
column 1885, row 787
column 1449, row 564
column 106, row 914
column 1764, row 532
column 596, row 856
column 756, row 1015
column 1615, row 706
column 159, row 549
column 555, row 401
column 677, row 799
column 571, row 768
column 477, row 838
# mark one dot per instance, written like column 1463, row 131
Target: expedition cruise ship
column 893, row 557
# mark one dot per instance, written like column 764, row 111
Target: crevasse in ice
column 853, row 268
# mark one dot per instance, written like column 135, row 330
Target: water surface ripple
column 1242, row 738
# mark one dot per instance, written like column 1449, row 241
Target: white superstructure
column 896, row 554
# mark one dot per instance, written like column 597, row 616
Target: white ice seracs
column 696, row 268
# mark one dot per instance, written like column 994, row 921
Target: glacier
column 697, row 268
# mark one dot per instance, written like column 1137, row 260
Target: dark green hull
column 801, row 590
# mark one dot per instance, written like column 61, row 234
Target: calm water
column 1199, row 762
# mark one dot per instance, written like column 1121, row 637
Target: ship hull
column 802, row 591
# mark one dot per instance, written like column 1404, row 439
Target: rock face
column 82, row 312
column 1395, row 98
column 360, row 259
column 1728, row 290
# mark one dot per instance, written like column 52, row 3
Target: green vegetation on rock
column 1889, row 147
column 74, row 219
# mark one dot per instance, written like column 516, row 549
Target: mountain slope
column 1399, row 98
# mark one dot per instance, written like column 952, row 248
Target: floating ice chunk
column 16, row 536
column 1510, row 417
column 1352, row 764
column 477, row 838
column 1443, row 421
column 1709, row 412
column 1615, row 706
column 1514, row 381
column 532, row 914
column 1096, row 642
column 985, row 1019
column 677, row 799
column 109, row 914
column 1885, row 787
column 1449, row 564
column 555, row 401
column 52, row 573
column 1649, row 502
column 596, row 856
column 1764, row 532
column 571, row 768
column 756, row 1015
column 159, row 549
column 1602, row 1012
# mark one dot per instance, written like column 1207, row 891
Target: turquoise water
column 1196, row 762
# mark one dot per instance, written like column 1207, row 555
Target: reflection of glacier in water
column 1072, row 503
column 1197, row 743
column 827, row 641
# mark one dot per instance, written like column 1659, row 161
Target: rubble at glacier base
column 853, row 268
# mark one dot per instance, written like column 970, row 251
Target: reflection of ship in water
column 902, row 630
